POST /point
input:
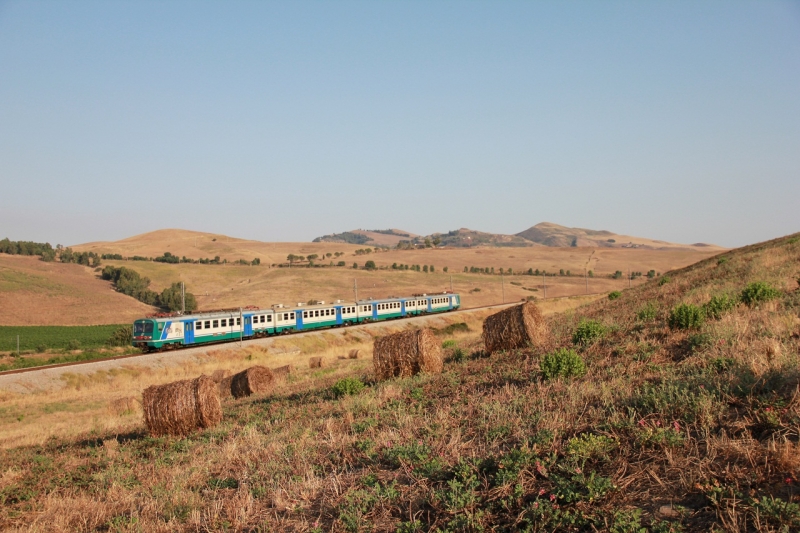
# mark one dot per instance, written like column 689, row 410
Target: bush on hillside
column 613, row 295
column 686, row 316
column 663, row 281
column 648, row 312
column 759, row 291
column 563, row 363
column 588, row 332
column 719, row 305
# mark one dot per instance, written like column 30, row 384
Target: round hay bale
column 520, row 326
column 224, row 387
column 282, row 371
column 315, row 362
column 124, row 406
column 254, row 380
column 353, row 354
column 219, row 375
column 181, row 407
column 406, row 354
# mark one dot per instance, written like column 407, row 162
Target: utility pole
column 503, row 285
column 241, row 327
column 355, row 288
column 183, row 298
column 544, row 283
column 451, row 283
column 586, row 275
column 629, row 277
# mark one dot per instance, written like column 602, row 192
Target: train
column 166, row 332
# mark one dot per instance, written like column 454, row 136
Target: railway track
column 251, row 340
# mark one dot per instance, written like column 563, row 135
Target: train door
column 188, row 333
column 338, row 311
column 248, row 326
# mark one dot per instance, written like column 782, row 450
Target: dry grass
column 668, row 430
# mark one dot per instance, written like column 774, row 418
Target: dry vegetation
column 33, row 292
column 651, row 426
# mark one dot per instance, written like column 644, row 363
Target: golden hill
column 33, row 292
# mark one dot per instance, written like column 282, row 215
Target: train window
column 262, row 319
column 316, row 313
column 223, row 322
column 269, row 318
column 292, row 316
column 199, row 325
column 216, row 323
column 208, row 324
column 238, row 321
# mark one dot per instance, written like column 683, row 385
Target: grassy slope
column 671, row 430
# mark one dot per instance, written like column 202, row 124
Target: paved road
column 50, row 378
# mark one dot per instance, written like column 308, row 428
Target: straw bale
column 254, row 380
column 219, row 375
column 315, row 362
column 224, row 387
column 407, row 353
column 516, row 327
column 353, row 354
column 124, row 406
column 282, row 371
column 181, row 407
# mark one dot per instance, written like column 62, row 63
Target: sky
column 284, row 121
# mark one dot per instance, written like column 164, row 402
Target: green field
column 42, row 338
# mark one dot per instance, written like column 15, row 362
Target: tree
column 444, row 269
column 355, row 265
column 291, row 258
column 311, row 257
column 425, row 268
column 466, row 269
column 427, row 243
column 370, row 265
column 430, row 268
column 437, row 241
column 171, row 299
column 256, row 262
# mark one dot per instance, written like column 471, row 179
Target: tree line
column 46, row 252
column 129, row 282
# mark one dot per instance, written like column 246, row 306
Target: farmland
column 664, row 429
column 42, row 338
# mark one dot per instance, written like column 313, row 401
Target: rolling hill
column 542, row 234
column 672, row 407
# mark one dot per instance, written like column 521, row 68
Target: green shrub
column 588, row 446
column 700, row 341
column 347, row 386
column 122, row 336
column 449, row 343
column 613, row 295
column 564, row 363
column 648, row 312
column 759, row 291
column 719, row 305
column 588, row 332
column 663, row 281
column 686, row 316
column 458, row 355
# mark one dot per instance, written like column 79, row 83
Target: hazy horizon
column 286, row 121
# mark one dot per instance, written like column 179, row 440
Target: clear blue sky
column 285, row 121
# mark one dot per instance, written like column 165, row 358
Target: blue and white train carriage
column 157, row 333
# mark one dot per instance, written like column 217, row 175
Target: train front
column 143, row 333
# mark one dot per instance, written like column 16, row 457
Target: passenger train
column 157, row 333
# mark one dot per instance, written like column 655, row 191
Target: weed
column 700, row 341
column 777, row 511
column 663, row 280
column 627, row 522
column 563, row 363
column 613, row 295
column 449, row 343
column 347, row 387
column 686, row 316
column 458, row 355
column 719, row 305
column 222, row 483
column 648, row 312
column 588, row 332
column 589, row 446
column 757, row 292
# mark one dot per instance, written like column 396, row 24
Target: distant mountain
column 549, row 234
column 542, row 234
column 375, row 237
column 467, row 238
